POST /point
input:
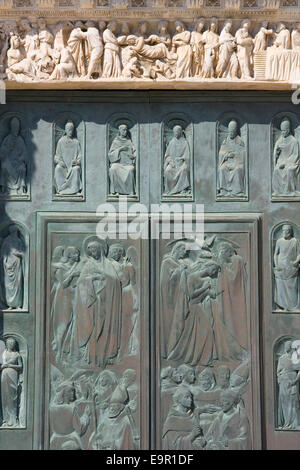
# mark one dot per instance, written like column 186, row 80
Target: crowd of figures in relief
column 94, row 331
column 168, row 50
column 204, row 334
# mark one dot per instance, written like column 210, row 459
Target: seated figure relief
column 122, row 164
column 210, row 49
column 68, row 164
column 232, row 163
column 286, row 162
column 177, row 164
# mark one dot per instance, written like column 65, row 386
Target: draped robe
column 68, row 180
column 122, row 169
column 176, row 171
column 286, row 180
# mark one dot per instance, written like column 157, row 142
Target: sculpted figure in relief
column 286, row 270
column 181, row 44
column 261, row 38
column 177, row 164
column 197, row 46
column 228, row 64
column 285, row 181
column 13, row 161
column 211, row 44
column 12, row 260
column 244, row 50
column 122, row 157
column 112, row 66
column 67, row 161
column 11, row 369
column 232, row 160
column 288, row 398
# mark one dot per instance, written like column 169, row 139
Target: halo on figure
column 94, row 238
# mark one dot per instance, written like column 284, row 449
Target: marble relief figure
column 198, row 49
column 286, row 160
column 286, row 268
column 12, row 367
column 12, row 256
column 177, row 161
column 232, row 160
column 68, row 160
column 122, row 163
column 288, row 377
column 13, row 160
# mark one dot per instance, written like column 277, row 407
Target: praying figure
column 231, row 168
column 176, row 165
column 286, row 162
column 67, row 160
column 122, row 156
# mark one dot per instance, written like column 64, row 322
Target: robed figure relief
column 12, row 361
column 12, row 257
column 288, row 378
column 122, row 157
column 286, row 264
column 232, row 162
column 204, row 303
column 68, row 158
column 14, row 159
column 177, row 160
column 285, row 158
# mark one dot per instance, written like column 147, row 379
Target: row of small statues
column 122, row 160
column 88, row 51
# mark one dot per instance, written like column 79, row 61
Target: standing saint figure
column 67, row 161
column 112, row 66
column 181, row 43
column 286, row 156
column 12, row 255
column 232, row 159
column 176, row 166
column 244, row 50
column 288, row 398
column 211, row 44
column 96, row 334
column 261, row 38
column 75, row 44
column 13, row 161
column 122, row 156
column 173, row 264
column 197, row 46
column 10, row 388
column 95, row 49
column 286, row 270
column 228, row 64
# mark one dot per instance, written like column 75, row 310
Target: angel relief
column 204, row 338
column 94, row 325
column 177, row 160
column 68, row 158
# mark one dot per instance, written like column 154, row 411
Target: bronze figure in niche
column 177, row 159
column 94, row 344
column 285, row 157
column 68, row 157
column 232, row 175
column 286, row 259
column 12, row 256
column 122, row 157
column 13, row 400
column 14, row 159
column 288, row 377
column 204, row 336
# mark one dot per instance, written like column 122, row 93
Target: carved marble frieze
column 147, row 53
column 207, row 334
